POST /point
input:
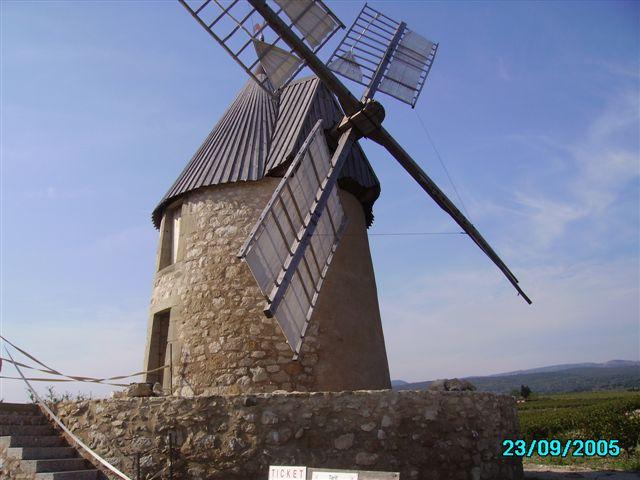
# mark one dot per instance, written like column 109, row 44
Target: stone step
column 24, row 430
column 32, row 441
column 38, row 453
column 29, row 408
column 21, row 419
column 54, row 465
column 73, row 475
column 27, row 435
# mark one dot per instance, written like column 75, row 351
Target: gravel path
column 546, row 472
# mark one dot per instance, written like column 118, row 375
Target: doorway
column 158, row 350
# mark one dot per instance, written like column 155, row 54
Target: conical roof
column 259, row 135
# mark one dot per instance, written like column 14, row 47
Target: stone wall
column 10, row 468
column 221, row 341
column 423, row 435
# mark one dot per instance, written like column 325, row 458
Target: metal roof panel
column 258, row 136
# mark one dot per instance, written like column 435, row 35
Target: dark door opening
column 158, row 348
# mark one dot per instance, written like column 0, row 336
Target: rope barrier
column 2, row 359
column 68, row 378
column 53, row 417
column 60, row 380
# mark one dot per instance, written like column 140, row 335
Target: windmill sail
column 278, row 64
column 347, row 66
column 310, row 18
column 236, row 26
column 351, row 105
column 290, row 248
column 389, row 57
column 408, row 68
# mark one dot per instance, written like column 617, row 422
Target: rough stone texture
column 139, row 390
column 10, row 468
column 423, row 435
column 222, row 343
column 451, row 385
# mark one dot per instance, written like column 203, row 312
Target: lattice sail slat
column 290, row 248
column 251, row 42
column 384, row 55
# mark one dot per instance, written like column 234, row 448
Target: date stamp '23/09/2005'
column 561, row 448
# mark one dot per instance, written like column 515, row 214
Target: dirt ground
column 547, row 472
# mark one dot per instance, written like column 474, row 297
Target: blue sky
column 533, row 106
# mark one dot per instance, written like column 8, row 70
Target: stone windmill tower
column 282, row 183
column 206, row 314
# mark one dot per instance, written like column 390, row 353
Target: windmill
column 290, row 248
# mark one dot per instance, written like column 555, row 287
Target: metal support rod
column 364, row 29
column 170, row 441
column 359, row 40
column 382, row 67
column 349, row 103
column 382, row 137
column 136, row 460
column 170, row 368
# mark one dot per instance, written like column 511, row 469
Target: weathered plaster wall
column 222, row 342
column 423, row 435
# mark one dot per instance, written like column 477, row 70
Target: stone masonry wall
column 423, row 435
column 10, row 468
column 222, row 343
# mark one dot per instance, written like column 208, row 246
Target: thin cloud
column 616, row 69
column 471, row 319
column 596, row 169
column 133, row 237
column 503, row 71
column 547, row 218
column 56, row 193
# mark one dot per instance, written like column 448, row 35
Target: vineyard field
column 589, row 415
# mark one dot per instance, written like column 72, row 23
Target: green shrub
column 600, row 416
column 551, row 423
column 614, row 420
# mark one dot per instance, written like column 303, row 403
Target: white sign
column 334, row 476
column 277, row 472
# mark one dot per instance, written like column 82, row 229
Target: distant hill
column 398, row 383
column 581, row 377
column 570, row 366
